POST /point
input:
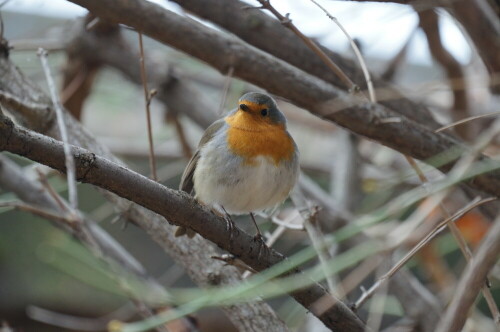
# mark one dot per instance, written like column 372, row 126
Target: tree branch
column 479, row 20
column 87, row 231
column 417, row 301
column 460, row 109
column 483, row 27
column 177, row 207
column 251, row 25
column 191, row 254
column 473, row 278
column 223, row 51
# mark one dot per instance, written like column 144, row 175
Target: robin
column 245, row 162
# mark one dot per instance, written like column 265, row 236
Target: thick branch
column 13, row 179
column 478, row 19
column 177, row 207
column 32, row 108
column 430, row 25
column 85, row 230
column 482, row 26
column 252, row 25
column 223, row 51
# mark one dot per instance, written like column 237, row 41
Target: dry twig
column 460, row 108
column 310, row 222
column 225, row 89
column 147, row 98
column 287, row 22
column 70, row 163
column 437, row 229
column 357, row 52
column 462, row 121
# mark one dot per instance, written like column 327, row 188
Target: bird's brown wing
column 187, row 177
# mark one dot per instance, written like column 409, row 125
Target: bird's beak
column 244, row 108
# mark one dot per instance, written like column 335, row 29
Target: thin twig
column 181, row 135
column 96, row 249
column 74, row 85
column 357, row 275
column 39, row 212
column 457, row 172
column 470, row 118
column 225, row 89
column 271, row 239
column 345, row 174
column 287, row 224
column 50, row 190
column 357, row 52
column 1, row 23
column 147, row 98
column 70, row 163
column 309, row 215
column 377, row 305
column 287, row 22
column 437, row 229
column 237, row 263
column 24, row 106
column 66, row 321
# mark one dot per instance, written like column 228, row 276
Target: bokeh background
column 45, row 272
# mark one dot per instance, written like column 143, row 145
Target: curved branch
column 33, row 109
column 252, row 25
column 223, row 51
column 483, row 27
column 177, row 207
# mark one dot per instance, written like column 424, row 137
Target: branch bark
column 456, row 79
column 177, row 207
column 483, row 27
column 478, row 19
column 223, row 51
column 13, row 179
column 252, row 25
column 418, row 302
column 32, row 108
column 88, row 232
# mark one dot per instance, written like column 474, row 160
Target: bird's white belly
column 221, row 179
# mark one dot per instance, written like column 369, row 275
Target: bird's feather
column 187, row 177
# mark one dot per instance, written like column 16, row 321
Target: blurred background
column 45, row 273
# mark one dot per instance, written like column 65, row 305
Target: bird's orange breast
column 249, row 137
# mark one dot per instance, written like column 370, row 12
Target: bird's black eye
column 264, row 112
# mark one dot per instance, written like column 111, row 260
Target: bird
column 246, row 162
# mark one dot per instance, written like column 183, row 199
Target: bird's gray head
column 261, row 106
